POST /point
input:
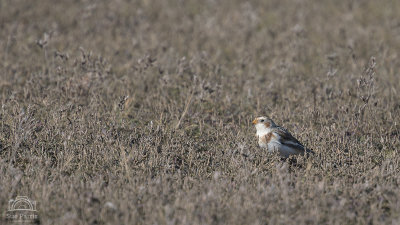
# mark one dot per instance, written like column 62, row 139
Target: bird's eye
column 262, row 121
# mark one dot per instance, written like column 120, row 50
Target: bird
column 275, row 138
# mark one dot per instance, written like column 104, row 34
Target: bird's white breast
column 262, row 130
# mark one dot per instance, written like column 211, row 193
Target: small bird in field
column 276, row 138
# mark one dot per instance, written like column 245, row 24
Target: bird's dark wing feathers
column 291, row 141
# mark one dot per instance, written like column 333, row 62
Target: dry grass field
column 139, row 112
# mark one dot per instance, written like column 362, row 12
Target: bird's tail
column 309, row 151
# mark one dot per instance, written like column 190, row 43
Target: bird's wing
column 287, row 139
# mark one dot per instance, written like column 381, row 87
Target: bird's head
column 263, row 124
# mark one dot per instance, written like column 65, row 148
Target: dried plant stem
column 185, row 110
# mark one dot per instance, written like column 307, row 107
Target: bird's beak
column 254, row 122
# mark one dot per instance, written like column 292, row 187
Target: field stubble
column 120, row 113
